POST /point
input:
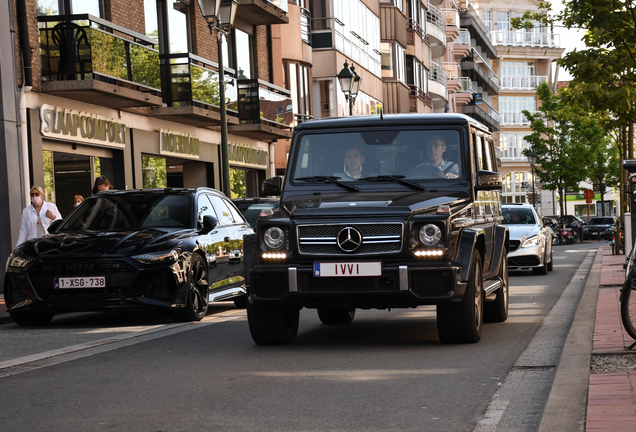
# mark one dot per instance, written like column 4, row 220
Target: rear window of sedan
column 131, row 211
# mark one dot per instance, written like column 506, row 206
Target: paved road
column 385, row 371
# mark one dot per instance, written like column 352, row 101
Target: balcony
column 192, row 97
column 516, row 82
column 84, row 60
column 452, row 23
column 514, row 153
column 469, row 19
column 415, row 94
column 265, row 111
column 436, row 31
column 483, row 112
column 476, row 68
column 437, row 81
column 262, row 12
column 515, row 118
column 526, row 39
column 415, row 27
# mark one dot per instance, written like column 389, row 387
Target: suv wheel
column 497, row 310
column 462, row 322
column 336, row 316
column 272, row 325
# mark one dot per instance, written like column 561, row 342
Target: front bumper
column 527, row 258
column 401, row 285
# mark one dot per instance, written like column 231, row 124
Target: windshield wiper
column 328, row 179
column 396, row 178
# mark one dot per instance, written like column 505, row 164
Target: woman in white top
column 37, row 217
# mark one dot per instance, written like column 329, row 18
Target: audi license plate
column 339, row 269
column 80, row 282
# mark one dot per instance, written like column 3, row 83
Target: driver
column 353, row 161
column 435, row 149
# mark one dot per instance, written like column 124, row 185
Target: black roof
column 390, row 119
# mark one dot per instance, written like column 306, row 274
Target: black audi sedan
column 174, row 249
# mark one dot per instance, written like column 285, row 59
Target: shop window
column 154, row 172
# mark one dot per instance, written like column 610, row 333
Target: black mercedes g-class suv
column 382, row 212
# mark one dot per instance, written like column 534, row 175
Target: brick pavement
column 611, row 404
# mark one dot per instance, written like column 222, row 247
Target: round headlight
column 430, row 235
column 274, row 238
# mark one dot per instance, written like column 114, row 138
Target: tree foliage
column 565, row 140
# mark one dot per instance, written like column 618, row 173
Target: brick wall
column 126, row 13
column 261, row 53
column 204, row 44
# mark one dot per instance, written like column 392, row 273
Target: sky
column 570, row 39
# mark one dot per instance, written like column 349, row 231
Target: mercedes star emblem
column 349, row 239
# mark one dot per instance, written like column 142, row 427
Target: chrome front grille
column 377, row 238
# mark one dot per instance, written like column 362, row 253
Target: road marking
column 61, row 355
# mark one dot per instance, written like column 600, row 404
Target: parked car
column 530, row 239
column 371, row 218
column 566, row 222
column 173, row 249
column 253, row 207
column 601, row 227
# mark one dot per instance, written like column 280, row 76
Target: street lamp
column 602, row 187
column 350, row 84
column 532, row 158
column 220, row 16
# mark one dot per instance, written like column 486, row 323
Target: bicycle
column 618, row 243
column 628, row 301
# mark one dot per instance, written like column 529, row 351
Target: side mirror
column 209, row 223
column 55, row 225
column 488, row 180
column 272, row 186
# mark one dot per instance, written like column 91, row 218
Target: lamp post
column 532, row 158
column 220, row 16
column 601, row 187
column 350, row 84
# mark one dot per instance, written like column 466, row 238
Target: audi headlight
column 158, row 257
column 532, row 241
column 274, row 238
column 17, row 261
column 430, row 235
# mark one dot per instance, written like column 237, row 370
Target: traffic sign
column 588, row 194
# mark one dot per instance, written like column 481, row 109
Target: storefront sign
column 248, row 155
column 178, row 144
column 82, row 127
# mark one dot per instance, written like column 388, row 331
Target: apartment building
column 526, row 58
column 129, row 89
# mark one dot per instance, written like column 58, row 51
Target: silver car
column 530, row 240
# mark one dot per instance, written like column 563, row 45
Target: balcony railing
column 514, row 118
column 85, row 47
column 467, row 85
column 195, row 82
column 435, row 17
column 300, row 118
column 417, row 92
column 514, row 153
column 451, row 15
column 491, row 74
column 524, row 38
column 263, row 103
column 437, row 73
column 464, row 37
column 305, row 25
column 416, row 27
column 452, row 69
column 516, row 82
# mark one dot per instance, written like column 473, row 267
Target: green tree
column 238, row 183
column 564, row 140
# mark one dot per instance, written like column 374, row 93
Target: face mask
column 76, row 204
column 36, row 200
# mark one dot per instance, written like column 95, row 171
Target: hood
column 97, row 244
column 522, row 231
column 369, row 203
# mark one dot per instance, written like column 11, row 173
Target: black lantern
column 349, row 83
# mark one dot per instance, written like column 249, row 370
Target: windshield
column 131, row 211
column 518, row 215
column 602, row 221
column 350, row 156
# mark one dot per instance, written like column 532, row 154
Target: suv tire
column 272, row 325
column 461, row 322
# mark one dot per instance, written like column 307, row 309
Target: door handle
column 226, row 239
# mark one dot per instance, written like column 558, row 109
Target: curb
column 566, row 408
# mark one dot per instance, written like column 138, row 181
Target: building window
column 324, row 98
column 298, row 84
column 486, row 18
column 512, row 145
column 393, row 61
column 510, row 108
column 397, row 3
column 243, row 52
column 513, row 188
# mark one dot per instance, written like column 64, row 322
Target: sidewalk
column 611, row 404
